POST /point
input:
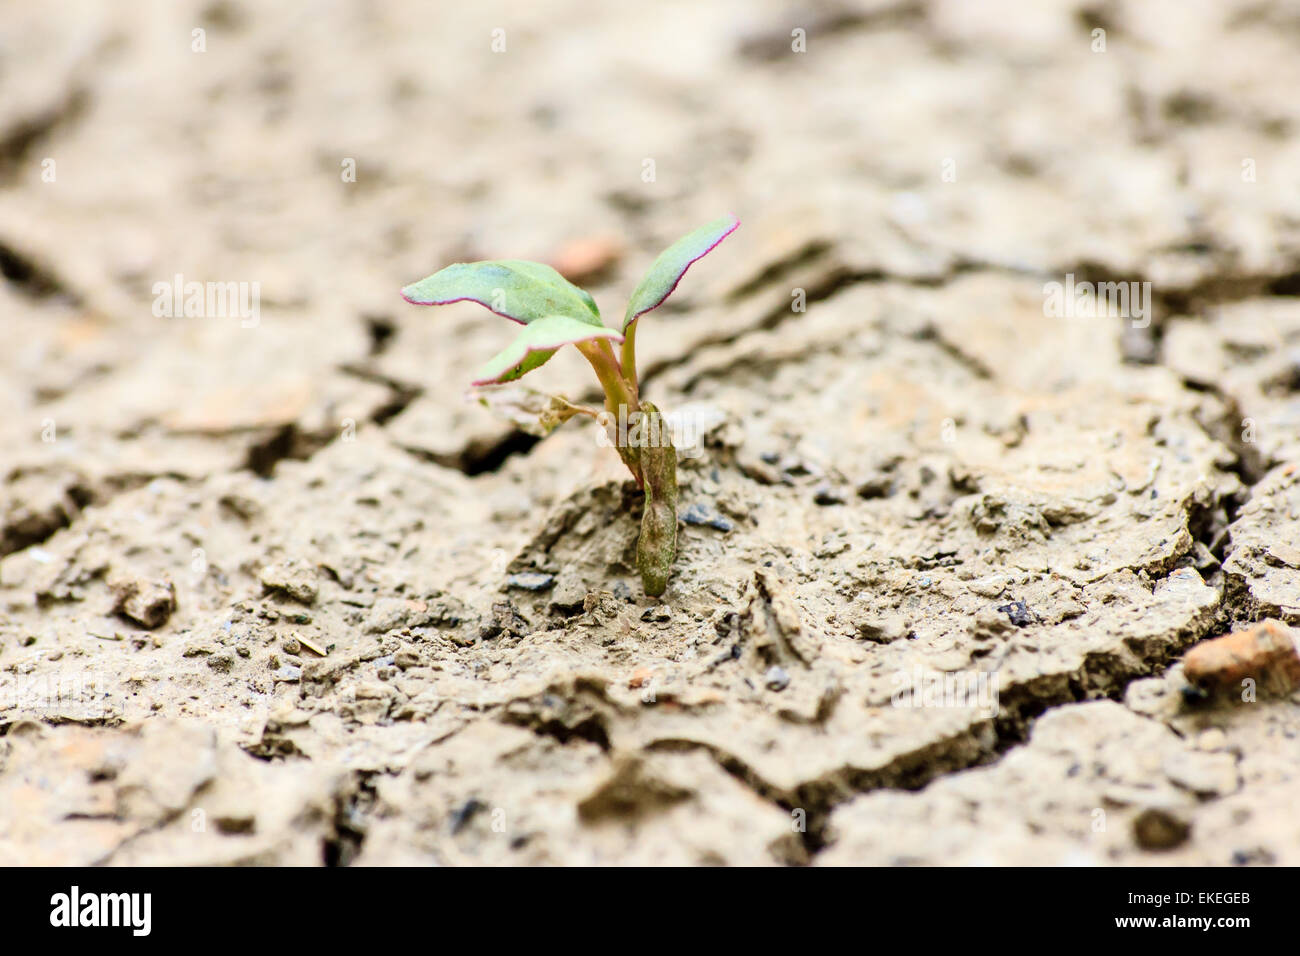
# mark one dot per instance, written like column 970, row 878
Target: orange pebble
column 1267, row 653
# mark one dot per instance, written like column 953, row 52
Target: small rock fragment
column 884, row 629
column 827, row 494
column 461, row 817
column 760, row 471
column 1266, row 653
column 1019, row 613
column 294, row 578
column 876, row 486
column 776, row 678
column 505, row 620
column 530, row 581
column 570, row 594
column 602, row 605
column 466, row 639
column 701, row 514
column 1158, row 829
column 147, row 602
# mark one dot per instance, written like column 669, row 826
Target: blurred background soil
column 274, row 589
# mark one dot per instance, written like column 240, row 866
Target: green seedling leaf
column 519, row 290
column 535, row 344
column 672, row 264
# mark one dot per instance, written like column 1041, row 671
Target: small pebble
column 530, row 581
column 1019, row 613
column 701, row 514
column 776, row 679
column 826, row 494
column 877, row 486
column 1157, row 829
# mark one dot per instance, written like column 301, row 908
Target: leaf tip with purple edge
column 667, row 270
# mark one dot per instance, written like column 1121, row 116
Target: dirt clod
column 147, row 602
column 295, row 579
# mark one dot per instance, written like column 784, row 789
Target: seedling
column 554, row 313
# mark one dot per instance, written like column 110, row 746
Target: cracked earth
column 279, row 593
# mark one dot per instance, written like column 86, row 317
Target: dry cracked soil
column 274, row 589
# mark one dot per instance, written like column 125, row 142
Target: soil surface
column 274, row 589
